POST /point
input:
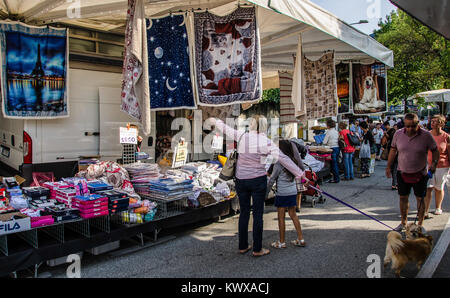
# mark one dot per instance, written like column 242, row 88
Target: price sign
column 180, row 156
column 128, row 136
column 217, row 142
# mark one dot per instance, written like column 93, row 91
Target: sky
column 352, row 11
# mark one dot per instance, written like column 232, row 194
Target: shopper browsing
column 331, row 139
column 378, row 135
column 348, row 152
column 251, row 180
column 286, row 195
column 439, row 178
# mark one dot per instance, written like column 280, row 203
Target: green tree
column 421, row 56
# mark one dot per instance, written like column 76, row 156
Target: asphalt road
column 339, row 241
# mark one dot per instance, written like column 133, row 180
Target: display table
column 36, row 246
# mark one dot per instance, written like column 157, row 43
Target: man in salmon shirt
column 412, row 144
column 348, row 152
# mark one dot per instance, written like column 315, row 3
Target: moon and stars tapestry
column 169, row 65
column 228, row 57
column 33, row 71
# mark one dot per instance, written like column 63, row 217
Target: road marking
column 436, row 255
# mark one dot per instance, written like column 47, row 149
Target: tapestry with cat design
column 227, row 58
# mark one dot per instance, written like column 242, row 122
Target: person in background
column 412, row 144
column 348, row 152
column 285, row 198
column 439, row 178
column 400, row 123
column 251, row 177
column 395, row 127
column 378, row 135
column 390, row 135
column 423, row 123
column 367, row 137
column 331, row 140
column 392, row 121
column 447, row 124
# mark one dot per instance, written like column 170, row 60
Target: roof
column 280, row 23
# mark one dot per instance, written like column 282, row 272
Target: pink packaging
column 81, row 202
column 92, row 210
column 96, row 205
column 96, row 214
column 41, row 221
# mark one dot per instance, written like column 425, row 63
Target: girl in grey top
column 286, row 196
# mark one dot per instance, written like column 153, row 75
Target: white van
column 92, row 129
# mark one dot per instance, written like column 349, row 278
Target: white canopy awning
column 280, row 24
column 441, row 95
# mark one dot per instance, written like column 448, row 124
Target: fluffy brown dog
column 415, row 248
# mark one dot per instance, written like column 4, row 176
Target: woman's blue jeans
column 348, row 166
column 335, row 164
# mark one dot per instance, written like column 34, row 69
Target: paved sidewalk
column 339, row 241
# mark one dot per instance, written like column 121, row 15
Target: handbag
column 229, row 168
column 364, row 151
column 341, row 144
column 353, row 139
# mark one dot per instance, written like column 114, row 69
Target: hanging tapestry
column 33, row 71
column 320, row 87
column 169, row 64
column 369, row 88
column 228, row 58
column 135, row 90
column 287, row 108
column 343, row 78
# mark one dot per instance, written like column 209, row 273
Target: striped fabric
column 287, row 109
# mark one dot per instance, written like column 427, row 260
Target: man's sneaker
column 399, row 228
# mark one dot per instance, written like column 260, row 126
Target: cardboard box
column 8, row 225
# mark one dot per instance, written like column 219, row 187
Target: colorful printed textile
column 33, row 71
column 228, row 58
column 320, row 87
column 369, row 88
column 135, row 84
column 287, row 108
column 169, row 64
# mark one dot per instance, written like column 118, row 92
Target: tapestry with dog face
column 320, row 87
column 369, row 89
column 169, row 64
column 33, row 71
column 227, row 58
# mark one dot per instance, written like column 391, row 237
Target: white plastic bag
column 364, row 152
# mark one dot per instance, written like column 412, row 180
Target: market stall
column 219, row 52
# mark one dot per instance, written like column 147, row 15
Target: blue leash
column 348, row 205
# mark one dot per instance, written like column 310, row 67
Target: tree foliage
column 421, row 56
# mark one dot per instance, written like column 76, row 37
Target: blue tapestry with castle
column 33, row 71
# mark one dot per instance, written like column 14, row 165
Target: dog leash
column 350, row 206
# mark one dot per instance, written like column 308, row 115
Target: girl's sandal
column 300, row 243
column 278, row 244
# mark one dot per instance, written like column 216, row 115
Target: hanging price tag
column 128, row 135
column 217, row 142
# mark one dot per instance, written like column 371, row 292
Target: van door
column 111, row 119
column 11, row 142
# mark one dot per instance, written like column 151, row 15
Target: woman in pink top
column 440, row 176
column 251, row 177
